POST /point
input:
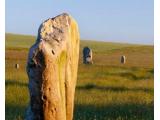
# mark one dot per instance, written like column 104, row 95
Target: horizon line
column 150, row 44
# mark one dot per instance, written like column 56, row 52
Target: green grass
column 106, row 90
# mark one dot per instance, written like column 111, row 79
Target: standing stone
column 87, row 55
column 52, row 70
column 123, row 59
column 17, row 66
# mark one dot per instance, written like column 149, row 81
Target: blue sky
column 129, row 21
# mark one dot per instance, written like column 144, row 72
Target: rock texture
column 52, row 70
column 87, row 55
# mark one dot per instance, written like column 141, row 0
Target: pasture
column 106, row 90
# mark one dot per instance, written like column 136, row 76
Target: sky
column 128, row 21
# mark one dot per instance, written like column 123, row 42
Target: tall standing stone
column 87, row 55
column 52, row 70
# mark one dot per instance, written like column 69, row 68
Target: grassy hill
column 106, row 90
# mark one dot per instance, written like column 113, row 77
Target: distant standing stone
column 87, row 55
column 123, row 59
column 17, row 66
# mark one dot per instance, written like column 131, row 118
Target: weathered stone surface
column 123, row 59
column 52, row 70
column 87, row 55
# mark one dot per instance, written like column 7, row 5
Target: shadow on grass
column 126, row 75
column 151, row 71
column 114, row 112
column 92, row 112
column 109, row 88
column 14, row 112
column 14, row 82
column 133, row 76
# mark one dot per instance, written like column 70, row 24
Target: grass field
column 106, row 90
